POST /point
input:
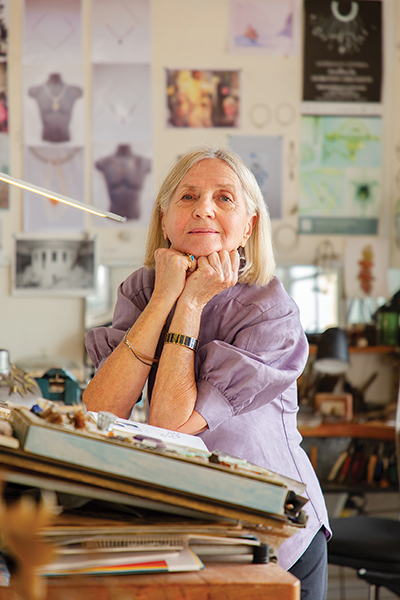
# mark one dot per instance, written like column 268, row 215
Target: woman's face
column 207, row 212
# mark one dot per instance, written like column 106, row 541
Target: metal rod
column 30, row 187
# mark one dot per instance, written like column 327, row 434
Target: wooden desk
column 215, row 582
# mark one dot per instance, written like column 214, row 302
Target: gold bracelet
column 146, row 360
column 182, row 340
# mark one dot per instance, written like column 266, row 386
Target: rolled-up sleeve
column 265, row 357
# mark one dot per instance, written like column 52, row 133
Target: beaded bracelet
column 146, row 360
column 182, row 340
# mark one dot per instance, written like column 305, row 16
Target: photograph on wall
column 340, row 175
column 3, row 98
column 53, row 105
column 52, row 30
column 4, row 25
column 122, row 182
column 202, row 98
column 264, row 27
column 4, row 168
column 121, row 31
column 54, row 265
column 263, row 156
column 366, row 265
column 59, row 170
column 342, row 52
column 121, row 108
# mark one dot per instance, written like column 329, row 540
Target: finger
column 235, row 260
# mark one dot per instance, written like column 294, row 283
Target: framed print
column 338, row 407
column 53, row 265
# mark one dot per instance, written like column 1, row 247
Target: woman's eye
column 187, row 197
column 226, row 198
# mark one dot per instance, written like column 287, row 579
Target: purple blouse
column 251, row 351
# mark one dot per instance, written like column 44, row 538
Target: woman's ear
column 163, row 227
column 248, row 230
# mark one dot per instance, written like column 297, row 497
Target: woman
column 229, row 374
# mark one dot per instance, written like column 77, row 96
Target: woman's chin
column 203, row 249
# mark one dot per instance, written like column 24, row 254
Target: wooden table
column 215, row 582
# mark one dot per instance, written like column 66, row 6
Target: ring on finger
column 191, row 260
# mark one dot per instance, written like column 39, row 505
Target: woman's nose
column 204, row 207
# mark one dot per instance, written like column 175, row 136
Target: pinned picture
column 263, row 156
column 48, row 266
column 52, row 29
column 366, row 267
column 53, row 107
column 121, row 31
column 202, row 98
column 60, row 170
column 264, row 27
column 121, row 105
column 122, row 182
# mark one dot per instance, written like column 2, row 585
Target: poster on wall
column 53, row 105
column 121, row 110
column 340, row 175
column 4, row 168
column 4, row 20
column 59, row 170
column 366, row 266
column 122, row 182
column 264, row 27
column 197, row 98
column 263, row 156
column 52, row 266
column 52, row 32
column 4, row 138
column 121, row 31
column 342, row 57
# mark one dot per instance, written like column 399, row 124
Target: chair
column 371, row 545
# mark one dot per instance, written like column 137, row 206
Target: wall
column 186, row 34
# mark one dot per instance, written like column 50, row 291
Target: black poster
column 342, row 51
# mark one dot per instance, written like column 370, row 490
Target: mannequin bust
column 124, row 173
column 55, row 100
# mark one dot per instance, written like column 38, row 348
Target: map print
column 340, row 175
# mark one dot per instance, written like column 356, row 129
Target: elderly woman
column 216, row 335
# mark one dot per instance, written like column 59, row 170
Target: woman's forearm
column 175, row 392
column 118, row 384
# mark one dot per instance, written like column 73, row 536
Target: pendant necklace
column 55, row 99
column 119, row 37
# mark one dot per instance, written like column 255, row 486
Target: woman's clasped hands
column 194, row 281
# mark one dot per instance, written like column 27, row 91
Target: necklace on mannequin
column 55, row 99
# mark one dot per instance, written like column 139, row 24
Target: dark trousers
column 312, row 569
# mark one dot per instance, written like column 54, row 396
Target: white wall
column 186, row 34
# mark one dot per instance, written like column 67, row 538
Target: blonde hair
column 260, row 262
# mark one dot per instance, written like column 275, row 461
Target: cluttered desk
column 125, row 506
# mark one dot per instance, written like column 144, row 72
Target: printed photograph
column 203, row 98
column 48, row 266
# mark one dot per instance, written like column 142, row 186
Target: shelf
column 367, row 431
column 366, row 350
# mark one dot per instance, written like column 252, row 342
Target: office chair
column 371, row 545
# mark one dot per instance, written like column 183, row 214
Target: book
column 190, row 473
column 111, row 563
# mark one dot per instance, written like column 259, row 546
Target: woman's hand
column 172, row 269
column 214, row 273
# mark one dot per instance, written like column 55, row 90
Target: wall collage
column 340, row 135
